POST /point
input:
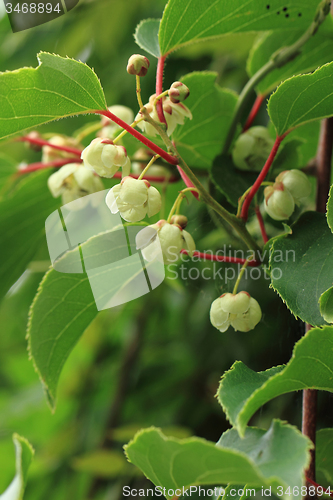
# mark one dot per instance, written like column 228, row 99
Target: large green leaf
column 326, row 305
column 24, row 453
column 302, row 99
column 302, row 266
column 324, row 456
column 146, row 36
column 316, row 52
column 330, row 209
column 195, row 20
column 65, row 303
column 57, row 88
column 242, row 391
column 176, row 464
column 199, row 140
column 22, row 221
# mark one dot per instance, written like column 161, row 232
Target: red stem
column 159, row 88
column 261, row 177
column 42, row 142
column 188, row 182
column 170, row 159
column 49, row 164
column 223, row 258
column 59, row 163
column 318, row 486
column 254, row 111
column 261, row 224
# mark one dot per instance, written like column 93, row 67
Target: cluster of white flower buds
column 252, row 149
column 73, row 181
column 105, row 158
column 240, row 310
column 174, row 110
column 290, row 187
column 172, row 238
column 134, row 199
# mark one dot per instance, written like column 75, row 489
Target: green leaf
column 324, row 456
column 242, row 391
column 199, row 140
column 24, row 454
column 57, row 88
column 302, row 99
column 65, row 304
column 330, row 209
column 302, row 266
column 326, row 305
column 101, row 463
column 175, row 464
column 22, row 221
column 8, row 168
column 199, row 21
column 316, row 52
column 229, row 180
column 146, row 36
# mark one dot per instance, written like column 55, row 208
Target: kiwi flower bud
column 252, row 149
column 296, row 182
column 279, row 203
column 134, row 199
column 241, row 311
column 138, row 65
column 178, row 92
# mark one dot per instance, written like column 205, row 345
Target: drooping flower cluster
column 134, row 199
column 171, row 238
column 290, row 187
column 174, row 113
column 105, row 158
column 73, row 181
column 241, row 311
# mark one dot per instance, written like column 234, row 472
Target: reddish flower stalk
column 188, row 182
column 159, row 88
column 261, row 177
column 33, row 167
column 318, row 486
column 166, row 156
column 254, row 111
column 42, row 142
column 41, row 165
column 223, row 258
column 261, row 224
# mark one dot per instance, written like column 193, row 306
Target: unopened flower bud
column 172, row 240
column 252, row 149
column 241, row 311
column 105, row 158
column 138, row 65
column 296, row 182
column 134, row 199
column 180, row 220
column 279, row 203
column 178, row 92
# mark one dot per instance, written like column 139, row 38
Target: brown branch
column 323, row 172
